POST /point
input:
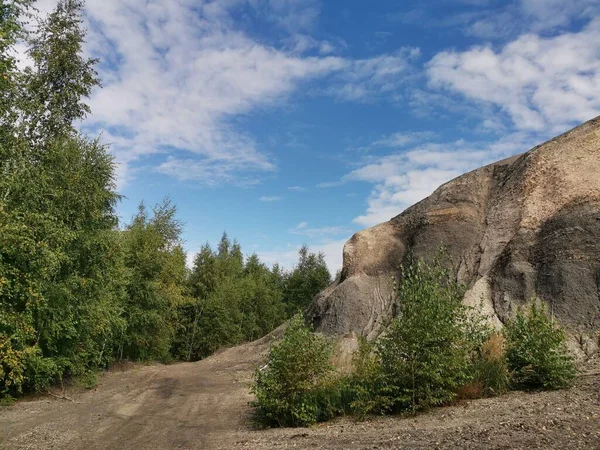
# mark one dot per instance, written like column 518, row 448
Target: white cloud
column 365, row 80
column 333, row 252
column 286, row 257
column 215, row 171
column 301, row 43
column 404, row 178
column 402, row 139
column 296, row 189
column 190, row 256
column 330, row 184
column 538, row 82
column 175, row 74
column 269, row 199
column 303, row 230
column 531, row 16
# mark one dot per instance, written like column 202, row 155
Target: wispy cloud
column 492, row 21
column 402, row 179
column 269, row 199
column 402, row 139
column 296, row 189
column 175, row 74
column 368, row 80
column 538, row 82
column 531, row 16
column 304, row 230
column 330, row 184
column 215, row 171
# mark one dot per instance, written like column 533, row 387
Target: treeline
column 77, row 289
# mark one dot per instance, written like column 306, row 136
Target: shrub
column 297, row 386
column 426, row 353
column 536, row 351
column 87, row 380
column 365, row 384
column 491, row 368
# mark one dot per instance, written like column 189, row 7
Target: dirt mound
column 524, row 227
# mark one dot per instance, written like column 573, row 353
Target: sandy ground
column 204, row 405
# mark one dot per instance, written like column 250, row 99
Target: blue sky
column 303, row 121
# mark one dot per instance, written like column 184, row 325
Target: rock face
column 524, row 227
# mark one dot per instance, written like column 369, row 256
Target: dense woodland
column 78, row 289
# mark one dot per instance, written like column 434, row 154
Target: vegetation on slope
column 436, row 350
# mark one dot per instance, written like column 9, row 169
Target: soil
column 204, row 405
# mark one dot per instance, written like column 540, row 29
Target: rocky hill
column 524, row 227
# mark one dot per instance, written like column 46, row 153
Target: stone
column 522, row 228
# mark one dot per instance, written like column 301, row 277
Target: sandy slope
column 204, row 405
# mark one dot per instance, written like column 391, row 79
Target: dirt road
column 179, row 406
column 204, row 405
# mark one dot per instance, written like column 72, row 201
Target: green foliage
column 155, row 264
column 229, row 301
column 435, row 351
column 59, row 263
column 61, row 77
column 309, row 277
column 296, row 387
column 366, row 383
column 87, row 380
column 60, row 260
column 536, row 351
column 426, row 352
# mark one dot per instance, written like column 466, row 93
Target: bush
column 365, row 384
column 435, row 351
column 87, row 380
column 536, row 351
column 297, row 386
column 492, row 375
column 427, row 352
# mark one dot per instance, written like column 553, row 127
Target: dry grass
column 494, row 348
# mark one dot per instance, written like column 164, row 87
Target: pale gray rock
column 524, row 227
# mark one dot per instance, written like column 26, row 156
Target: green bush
column 536, row 351
column 427, row 352
column 297, row 386
column 87, row 380
column 365, row 385
column 435, row 351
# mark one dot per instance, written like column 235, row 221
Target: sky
column 290, row 122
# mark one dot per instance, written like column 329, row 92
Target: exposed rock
column 524, row 227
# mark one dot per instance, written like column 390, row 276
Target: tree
column 60, row 266
column 261, row 301
column 229, row 302
column 155, row 264
column 426, row 352
column 61, row 77
column 309, row 277
column 12, row 17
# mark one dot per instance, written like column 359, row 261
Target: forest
column 78, row 289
